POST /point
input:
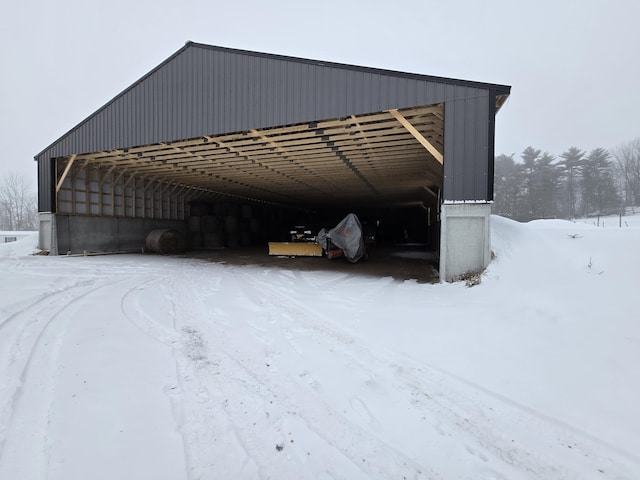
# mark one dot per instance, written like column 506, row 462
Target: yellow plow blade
column 295, row 249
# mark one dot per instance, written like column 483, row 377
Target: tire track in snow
column 546, row 421
column 460, row 403
column 289, row 402
column 130, row 307
column 34, row 354
column 57, row 290
column 213, row 445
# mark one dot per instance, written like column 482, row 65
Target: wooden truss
column 384, row 158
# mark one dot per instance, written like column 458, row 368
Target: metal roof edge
column 500, row 89
column 122, row 93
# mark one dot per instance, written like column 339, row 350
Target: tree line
column 18, row 204
column 574, row 184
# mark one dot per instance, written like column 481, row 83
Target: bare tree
column 627, row 158
column 18, row 204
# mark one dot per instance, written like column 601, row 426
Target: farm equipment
column 344, row 240
column 302, row 244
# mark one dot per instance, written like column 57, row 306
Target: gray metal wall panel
column 466, row 148
column 208, row 91
column 44, row 182
column 203, row 92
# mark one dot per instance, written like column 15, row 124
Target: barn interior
column 247, row 188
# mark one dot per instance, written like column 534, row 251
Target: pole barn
column 214, row 133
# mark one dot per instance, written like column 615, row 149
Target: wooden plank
column 418, row 136
column 65, row 172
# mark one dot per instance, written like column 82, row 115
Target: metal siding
column 44, row 205
column 473, row 157
column 208, row 91
column 461, row 151
column 466, row 159
column 483, row 160
column 491, row 137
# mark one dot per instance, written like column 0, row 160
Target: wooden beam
column 65, row 173
column 417, row 135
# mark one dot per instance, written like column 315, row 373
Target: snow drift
column 140, row 366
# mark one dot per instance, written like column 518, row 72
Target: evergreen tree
column 507, row 180
column 571, row 165
column 547, row 182
column 528, row 208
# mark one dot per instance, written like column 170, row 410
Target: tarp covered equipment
column 347, row 235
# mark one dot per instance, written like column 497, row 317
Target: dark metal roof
column 205, row 91
column 500, row 90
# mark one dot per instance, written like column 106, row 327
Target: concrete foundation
column 47, row 232
column 61, row 234
column 465, row 244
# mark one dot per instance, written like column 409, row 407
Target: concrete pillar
column 47, row 232
column 465, row 244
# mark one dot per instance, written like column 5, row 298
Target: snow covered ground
column 151, row 367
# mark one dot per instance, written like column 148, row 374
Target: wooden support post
column 113, row 200
column 73, row 192
column 87, row 191
column 134, row 194
column 144, row 199
column 161, row 194
column 179, row 196
column 169, row 194
column 417, row 135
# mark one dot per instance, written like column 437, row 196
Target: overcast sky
column 574, row 66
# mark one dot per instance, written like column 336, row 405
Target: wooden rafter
column 65, row 172
column 295, row 163
column 417, row 135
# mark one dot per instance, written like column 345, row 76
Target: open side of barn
column 233, row 148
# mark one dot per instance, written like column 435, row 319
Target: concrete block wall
column 61, row 233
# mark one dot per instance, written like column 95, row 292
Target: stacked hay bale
column 196, row 211
column 213, row 231
column 224, row 224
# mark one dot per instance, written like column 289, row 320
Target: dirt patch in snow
column 402, row 263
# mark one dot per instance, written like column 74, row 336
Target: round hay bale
column 245, row 239
column 195, row 224
column 231, row 224
column 166, row 241
column 244, row 225
column 232, row 240
column 212, row 224
column 197, row 240
column 214, row 240
column 254, row 225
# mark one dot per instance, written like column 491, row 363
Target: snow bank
column 26, row 245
